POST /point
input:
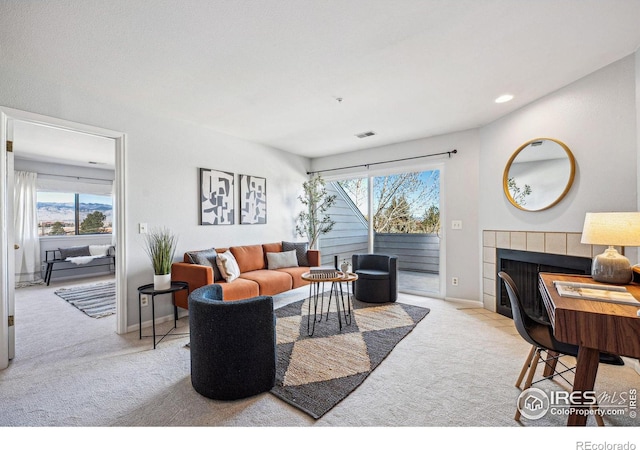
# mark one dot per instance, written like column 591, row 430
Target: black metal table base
column 315, row 295
column 151, row 292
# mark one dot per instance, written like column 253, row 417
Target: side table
column 149, row 289
column 315, row 294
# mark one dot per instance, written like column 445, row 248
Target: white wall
column 459, row 196
column 162, row 160
column 595, row 118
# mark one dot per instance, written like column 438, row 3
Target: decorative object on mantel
column 314, row 220
column 253, row 200
column 539, row 174
column 611, row 229
column 160, row 245
column 216, row 197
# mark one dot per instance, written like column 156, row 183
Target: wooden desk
column 593, row 326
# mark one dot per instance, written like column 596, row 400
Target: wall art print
column 253, row 200
column 216, row 197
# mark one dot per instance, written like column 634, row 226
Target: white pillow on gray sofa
column 279, row 260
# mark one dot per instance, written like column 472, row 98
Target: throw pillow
column 206, row 258
column 228, row 266
column 99, row 250
column 282, row 259
column 300, row 249
column 71, row 252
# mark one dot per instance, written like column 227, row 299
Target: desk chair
column 540, row 335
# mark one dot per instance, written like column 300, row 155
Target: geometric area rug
column 315, row 373
column 95, row 300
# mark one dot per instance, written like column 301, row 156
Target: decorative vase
column 345, row 267
column 162, row 282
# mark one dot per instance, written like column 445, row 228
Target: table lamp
column 611, row 228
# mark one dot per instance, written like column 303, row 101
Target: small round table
column 315, row 279
column 150, row 290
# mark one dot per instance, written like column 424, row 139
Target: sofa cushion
column 301, row 251
column 72, row 252
column 249, row 257
column 271, row 282
column 228, row 266
column 274, row 247
column 239, row 289
column 296, row 275
column 206, row 258
column 282, row 259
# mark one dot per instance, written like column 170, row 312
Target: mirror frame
column 505, row 176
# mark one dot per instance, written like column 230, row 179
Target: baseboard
column 466, row 302
column 149, row 323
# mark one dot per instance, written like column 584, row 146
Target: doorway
column 8, row 119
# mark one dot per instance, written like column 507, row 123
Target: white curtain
column 25, row 221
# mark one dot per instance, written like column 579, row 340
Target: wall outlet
column 456, row 224
column 142, row 228
column 144, row 300
column 454, row 281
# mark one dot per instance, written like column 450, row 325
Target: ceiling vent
column 365, row 134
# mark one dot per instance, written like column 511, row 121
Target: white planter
column 162, row 282
column 345, row 267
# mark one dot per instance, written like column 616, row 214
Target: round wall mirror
column 539, row 174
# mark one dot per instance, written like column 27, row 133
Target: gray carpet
column 95, row 300
column 457, row 368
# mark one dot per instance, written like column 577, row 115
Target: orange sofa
column 255, row 277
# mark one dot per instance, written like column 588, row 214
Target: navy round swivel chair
column 377, row 277
column 233, row 344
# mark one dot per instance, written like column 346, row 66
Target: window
column 68, row 213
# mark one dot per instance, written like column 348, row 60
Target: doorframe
column 8, row 114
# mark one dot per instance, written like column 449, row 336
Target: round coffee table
column 315, row 294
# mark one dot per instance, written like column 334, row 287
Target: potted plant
column 314, row 220
column 160, row 245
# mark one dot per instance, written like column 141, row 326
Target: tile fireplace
column 532, row 252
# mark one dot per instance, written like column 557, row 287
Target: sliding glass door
column 395, row 214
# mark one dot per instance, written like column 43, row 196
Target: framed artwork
column 253, row 200
column 216, row 197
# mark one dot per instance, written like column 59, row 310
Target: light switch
column 142, row 228
column 456, row 224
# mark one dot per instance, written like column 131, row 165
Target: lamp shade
column 612, row 228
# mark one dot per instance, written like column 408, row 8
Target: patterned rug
column 315, row 373
column 95, row 300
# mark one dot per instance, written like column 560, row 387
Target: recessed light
column 504, row 98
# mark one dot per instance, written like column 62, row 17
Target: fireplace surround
column 555, row 244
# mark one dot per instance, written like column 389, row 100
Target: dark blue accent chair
column 377, row 277
column 233, row 344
